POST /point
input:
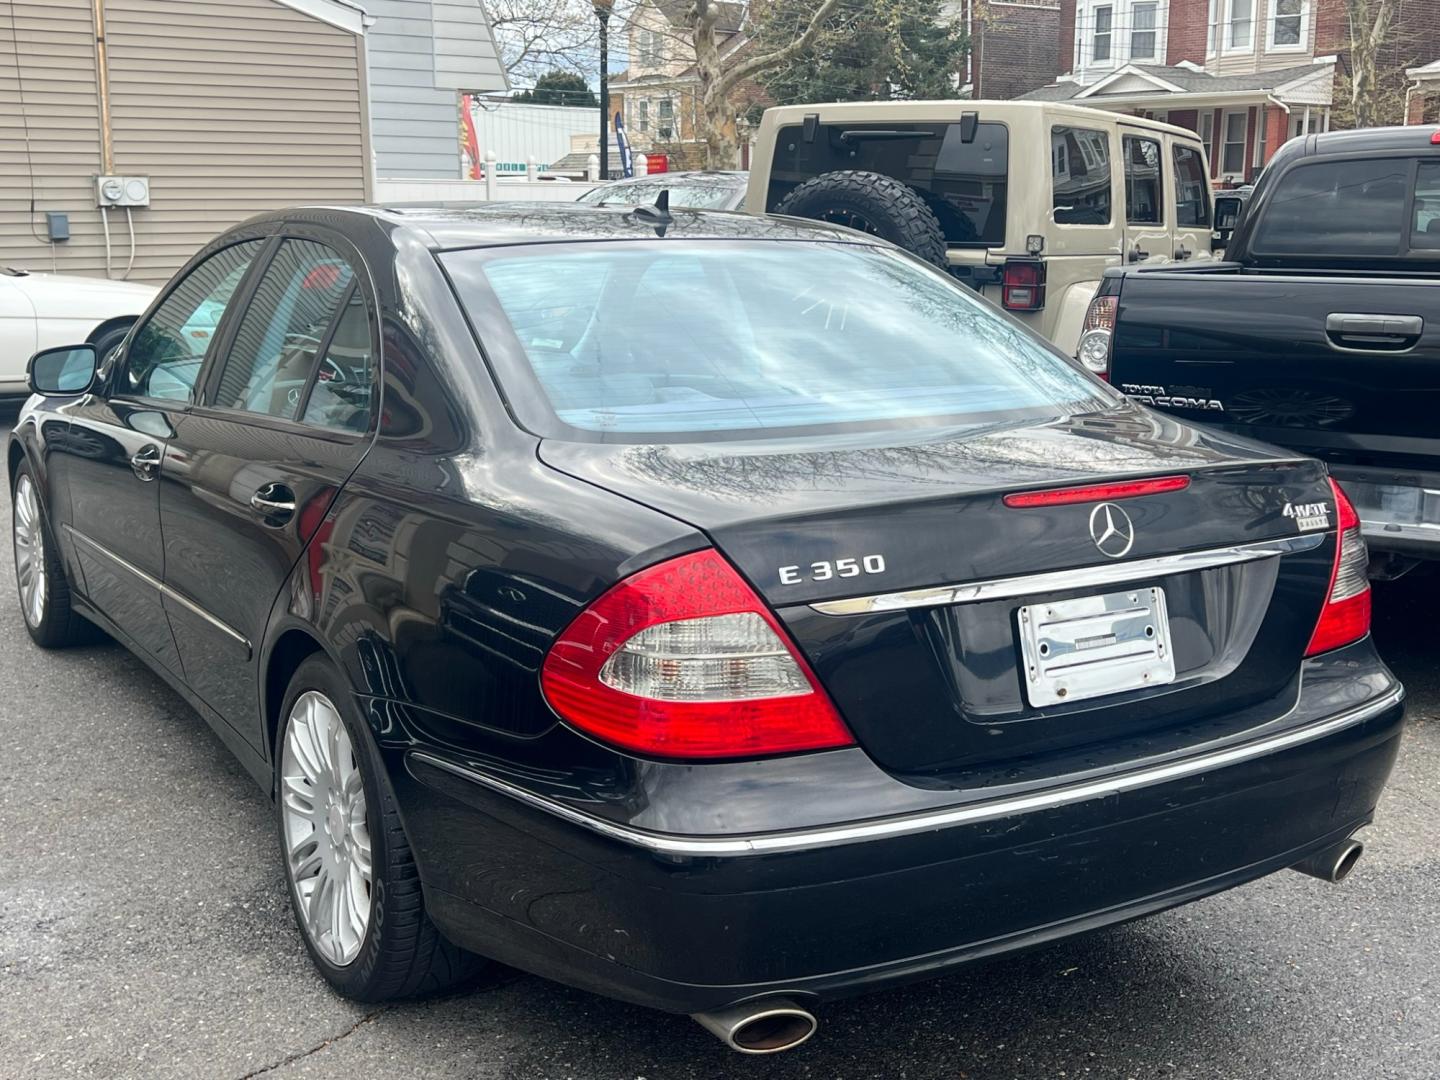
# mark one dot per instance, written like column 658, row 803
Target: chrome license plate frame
column 1095, row 646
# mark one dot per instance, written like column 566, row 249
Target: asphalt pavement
column 144, row 933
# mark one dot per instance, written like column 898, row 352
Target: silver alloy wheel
column 30, row 552
column 327, row 840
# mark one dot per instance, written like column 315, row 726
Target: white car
column 39, row 311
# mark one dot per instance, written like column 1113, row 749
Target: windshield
column 675, row 340
column 693, row 193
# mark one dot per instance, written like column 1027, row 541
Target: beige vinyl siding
column 1258, row 57
column 48, row 48
column 230, row 108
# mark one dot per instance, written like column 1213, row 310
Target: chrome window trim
column 925, row 821
column 162, row 588
column 1082, row 577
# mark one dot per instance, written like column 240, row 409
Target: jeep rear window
column 674, row 341
column 964, row 183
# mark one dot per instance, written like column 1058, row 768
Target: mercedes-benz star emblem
column 1112, row 530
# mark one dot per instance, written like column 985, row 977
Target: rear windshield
column 1338, row 207
column 964, row 183
column 680, row 340
column 695, row 193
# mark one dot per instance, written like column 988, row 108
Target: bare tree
column 535, row 36
column 1370, row 26
column 720, row 74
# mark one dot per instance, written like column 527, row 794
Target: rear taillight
column 684, row 660
column 1097, row 334
column 1022, row 285
column 1346, row 615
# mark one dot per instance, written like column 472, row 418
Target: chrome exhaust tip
column 1334, row 863
column 760, row 1027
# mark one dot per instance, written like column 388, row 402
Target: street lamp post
column 602, row 12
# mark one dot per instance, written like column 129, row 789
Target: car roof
column 444, row 226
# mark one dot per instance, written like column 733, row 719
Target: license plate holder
column 1095, row 646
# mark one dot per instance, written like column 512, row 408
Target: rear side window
column 1348, row 207
column 1143, row 181
column 963, row 182
column 1080, row 176
column 274, row 349
column 676, row 341
column 1425, row 226
column 1192, row 188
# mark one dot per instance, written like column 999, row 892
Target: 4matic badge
column 1308, row 516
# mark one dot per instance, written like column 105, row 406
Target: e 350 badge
column 1308, row 516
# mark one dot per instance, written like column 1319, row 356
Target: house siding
column 423, row 55
column 203, row 100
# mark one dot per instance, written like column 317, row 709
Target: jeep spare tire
column 873, row 203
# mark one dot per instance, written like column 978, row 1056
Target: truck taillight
column 684, row 660
column 1345, row 618
column 1097, row 335
column 1022, row 285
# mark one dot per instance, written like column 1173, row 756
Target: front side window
column 1103, row 29
column 1232, row 153
column 1192, row 188
column 1143, row 182
column 1080, row 181
column 1242, row 24
column 1287, row 26
column 285, row 324
column 1425, row 226
column 1142, row 33
column 1354, row 207
column 672, row 341
column 166, row 354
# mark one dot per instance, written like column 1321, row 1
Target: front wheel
column 39, row 575
column 352, row 878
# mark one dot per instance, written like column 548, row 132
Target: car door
column 110, row 457
column 17, row 332
column 1147, row 232
column 284, row 419
column 1190, row 196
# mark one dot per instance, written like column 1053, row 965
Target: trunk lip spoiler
column 1081, row 577
column 826, row 836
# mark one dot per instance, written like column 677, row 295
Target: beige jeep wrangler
column 1021, row 199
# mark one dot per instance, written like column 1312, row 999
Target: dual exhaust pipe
column 772, row 1025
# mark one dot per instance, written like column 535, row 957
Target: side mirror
column 62, row 372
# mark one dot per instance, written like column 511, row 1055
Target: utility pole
column 602, row 12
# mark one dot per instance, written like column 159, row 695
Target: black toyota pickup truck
column 1320, row 332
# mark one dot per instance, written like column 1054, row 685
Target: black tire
column 109, row 340
column 873, row 203
column 402, row 954
column 58, row 624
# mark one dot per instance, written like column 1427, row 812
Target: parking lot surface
column 144, row 933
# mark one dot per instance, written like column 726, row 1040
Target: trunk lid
column 942, row 684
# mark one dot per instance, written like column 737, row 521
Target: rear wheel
column 872, row 203
column 352, row 878
column 39, row 575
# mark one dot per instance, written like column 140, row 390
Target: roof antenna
column 658, row 215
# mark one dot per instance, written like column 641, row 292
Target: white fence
column 495, row 188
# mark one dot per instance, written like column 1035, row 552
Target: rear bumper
column 1399, row 508
column 685, row 925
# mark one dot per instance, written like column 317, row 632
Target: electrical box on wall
column 122, row 191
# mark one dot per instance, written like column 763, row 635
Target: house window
column 1232, row 153
column 1100, row 49
column 1207, row 129
column 1242, row 23
column 1142, row 33
column 1211, row 22
column 665, row 119
column 1287, row 27
column 642, row 113
column 649, row 48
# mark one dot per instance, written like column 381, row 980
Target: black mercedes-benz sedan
column 720, row 613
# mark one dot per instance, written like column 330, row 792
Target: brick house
column 1013, row 45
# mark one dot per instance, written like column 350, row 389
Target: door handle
column 1359, row 330
column 146, row 462
column 1135, row 254
column 1182, row 252
column 274, row 502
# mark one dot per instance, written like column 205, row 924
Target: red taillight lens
column 1346, row 615
column 1097, row 335
column 1022, row 288
column 1129, row 489
column 684, row 660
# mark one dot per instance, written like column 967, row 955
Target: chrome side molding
column 1082, row 577
column 924, row 821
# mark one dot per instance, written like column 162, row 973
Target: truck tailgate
column 1346, row 368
